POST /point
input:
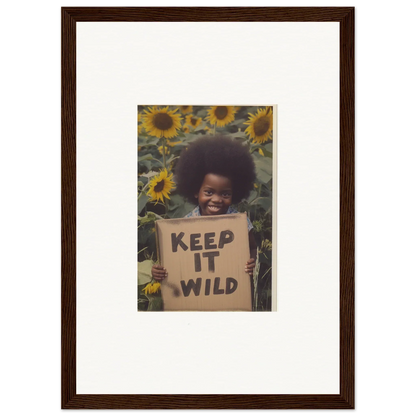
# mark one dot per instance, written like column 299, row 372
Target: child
column 215, row 172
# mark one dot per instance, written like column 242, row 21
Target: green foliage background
column 258, row 205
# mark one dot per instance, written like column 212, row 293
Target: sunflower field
column 163, row 132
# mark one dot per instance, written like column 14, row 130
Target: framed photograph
column 173, row 119
column 206, row 161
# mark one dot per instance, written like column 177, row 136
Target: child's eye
column 208, row 192
column 226, row 194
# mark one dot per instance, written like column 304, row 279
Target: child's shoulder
column 194, row 213
column 197, row 213
column 231, row 210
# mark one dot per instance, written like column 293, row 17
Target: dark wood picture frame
column 70, row 399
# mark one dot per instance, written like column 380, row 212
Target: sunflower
column 193, row 121
column 151, row 288
column 160, row 186
column 161, row 122
column 185, row 109
column 186, row 129
column 221, row 115
column 260, row 126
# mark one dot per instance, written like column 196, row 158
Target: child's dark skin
column 214, row 198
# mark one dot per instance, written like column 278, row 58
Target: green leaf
column 142, row 304
column 181, row 210
column 171, row 159
column 252, row 196
column 144, row 272
column 191, row 137
column 179, row 207
column 201, row 126
column 145, row 157
column 149, row 158
column 269, row 147
column 263, row 167
column 267, row 153
column 155, row 302
column 143, row 199
column 238, row 135
column 145, row 141
column 145, row 163
column 238, row 122
column 144, row 234
column 175, row 201
column 265, row 203
column 179, row 146
column 149, row 218
column 142, row 300
column 149, row 174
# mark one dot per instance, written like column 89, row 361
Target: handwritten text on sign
column 225, row 237
column 205, row 257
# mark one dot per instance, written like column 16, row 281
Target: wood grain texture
column 207, row 401
column 68, row 208
column 347, row 195
column 71, row 400
column 208, row 14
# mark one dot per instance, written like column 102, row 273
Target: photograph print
column 205, row 186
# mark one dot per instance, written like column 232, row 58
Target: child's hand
column 250, row 265
column 159, row 272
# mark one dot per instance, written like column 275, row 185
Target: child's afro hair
column 220, row 155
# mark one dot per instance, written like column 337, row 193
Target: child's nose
column 216, row 198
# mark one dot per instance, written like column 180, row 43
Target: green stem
column 258, row 196
column 166, row 208
column 255, row 282
column 164, row 152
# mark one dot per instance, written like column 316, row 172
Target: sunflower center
column 159, row 186
column 193, row 121
column 221, row 112
column 261, row 126
column 162, row 121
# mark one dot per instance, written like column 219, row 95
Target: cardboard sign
column 205, row 259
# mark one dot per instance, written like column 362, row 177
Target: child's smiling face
column 215, row 195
